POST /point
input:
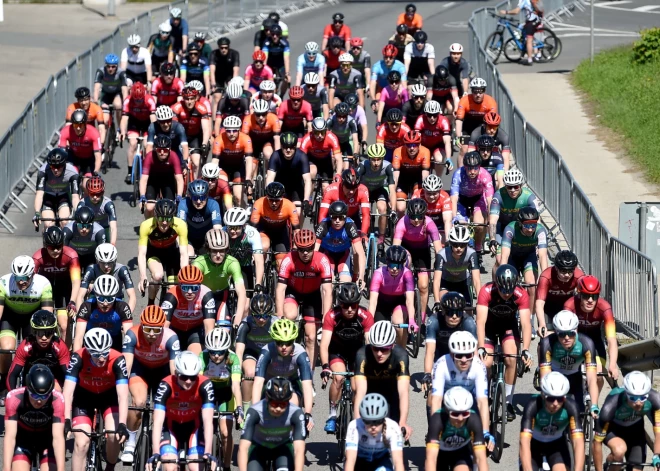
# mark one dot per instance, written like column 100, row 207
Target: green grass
column 624, row 97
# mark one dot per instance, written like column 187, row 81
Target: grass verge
column 624, row 97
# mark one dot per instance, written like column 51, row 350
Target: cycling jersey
column 554, row 292
column 383, row 378
column 616, row 411
column 456, row 270
column 305, row 278
column 111, row 84
column 253, row 336
column 448, row 438
column 416, row 237
column 441, row 89
column 191, row 119
column 411, row 167
column 539, row 424
column 347, row 334
column 242, row 248
column 199, row 221
column 500, row 308
column 392, row 98
column 414, row 24
column 391, row 140
column 463, row 185
column 372, row 448
column 94, row 113
column 217, row 277
column 358, row 205
column 136, row 63
column 167, row 94
column 275, row 52
column 554, row 357
column 229, row 152
column 28, row 353
column 332, row 59
column 227, row 107
column 438, row 332
column 324, row 149
column 316, row 100
column 344, row 132
column 159, row 47
column 119, row 272
column 361, row 62
column 410, row 113
column 520, row 243
column 112, row 321
column 458, row 70
column 82, row 147
column 507, row 208
column 376, row 179
column 33, row 420
column 380, row 71
column 501, row 139
column 344, row 84
column 65, row 184
column 140, row 111
column 337, row 241
column 151, row 235
column 264, row 218
column 419, row 59
column 289, row 171
column 590, row 323
column 185, row 315
column 446, row 376
column 83, row 245
column 97, row 379
column 386, row 285
column 436, row 210
column 400, row 43
column 183, row 406
column 292, row 119
column 177, row 134
column 261, row 134
column 433, row 134
column 222, row 374
column 263, row 429
column 65, row 268
column 193, row 71
column 255, row 77
column 38, row 295
column 152, row 355
column 295, row 367
column 473, row 113
column 104, row 210
column 305, row 66
column 224, row 65
column 331, row 30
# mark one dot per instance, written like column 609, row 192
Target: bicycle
column 545, row 41
column 587, row 422
column 344, row 411
column 143, row 447
column 136, row 171
column 415, row 338
column 57, row 220
column 317, row 192
column 96, row 445
column 217, row 438
column 110, row 144
column 372, row 249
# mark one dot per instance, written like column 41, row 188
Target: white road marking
column 630, row 10
column 646, row 8
column 599, row 35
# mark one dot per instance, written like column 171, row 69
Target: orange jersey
column 232, row 152
column 402, row 161
column 468, row 109
column 94, row 113
column 413, row 25
column 263, row 133
column 264, row 217
column 389, row 139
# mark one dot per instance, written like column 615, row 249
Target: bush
column 647, row 49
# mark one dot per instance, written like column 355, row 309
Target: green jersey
column 519, row 243
column 554, row 357
column 543, row 426
column 217, row 277
column 507, row 208
column 221, row 374
column 37, row 295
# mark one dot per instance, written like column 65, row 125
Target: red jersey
column 590, row 322
column 305, row 278
column 167, row 94
column 325, row 149
column 554, row 292
column 56, row 269
column 191, row 119
column 206, row 102
column 389, row 140
column 490, row 297
column 432, row 136
column 151, row 355
column 220, row 191
column 343, row 32
column 82, row 147
column 331, row 60
column 140, row 111
column 292, row 119
column 357, row 205
column 155, row 167
column 348, row 333
column 56, row 357
column 435, row 210
column 30, row 419
column 184, row 406
column 97, row 379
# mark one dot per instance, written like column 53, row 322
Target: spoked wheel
column 511, row 50
column 142, row 453
column 258, row 187
column 217, row 447
column 416, row 337
column 137, row 170
column 494, row 45
column 588, row 428
column 551, row 45
column 498, row 421
column 344, row 415
column 372, row 251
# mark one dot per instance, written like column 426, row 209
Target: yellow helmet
column 376, row 151
column 284, row 330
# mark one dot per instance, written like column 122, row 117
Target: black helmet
column 288, row 139
column 42, row 320
column 165, row 209
column 485, row 142
column 472, row 159
column 402, row 29
column 57, row 157
column 268, row 24
column 79, row 117
column 441, row 73
column 53, row 237
column 394, row 115
column 452, row 301
column 411, row 8
column 84, row 215
column 224, row 41
column 528, row 213
column 167, row 68
column 342, row 109
column 566, row 260
column 506, row 278
column 351, row 99
column 349, row 178
column 416, row 208
column 40, row 380
column 420, row 36
column 194, row 46
column 396, row 254
column 348, row 293
column 275, row 190
column 338, row 208
column 276, row 29
column 279, row 389
column 262, row 305
column 394, row 76
column 273, row 15
column 335, row 41
column 338, row 17
column 162, row 141
column 82, row 92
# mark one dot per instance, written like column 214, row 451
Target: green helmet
column 284, row 330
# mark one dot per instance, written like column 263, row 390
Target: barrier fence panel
column 534, row 151
column 551, row 180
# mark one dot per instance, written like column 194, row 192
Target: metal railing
column 30, row 137
column 628, row 276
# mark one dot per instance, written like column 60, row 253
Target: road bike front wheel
column 511, row 51
column 498, row 420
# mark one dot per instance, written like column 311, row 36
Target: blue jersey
column 380, row 71
column 304, row 65
column 336, row 241
column 199, row 221
column 110, row 321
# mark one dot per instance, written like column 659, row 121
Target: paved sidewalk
column 604, row 175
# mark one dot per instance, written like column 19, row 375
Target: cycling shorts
column 311, row 305
column 55, row 202
column 191, row 336
column 346, row 147
column 323, row 167
column 407, row 184
column 467, row 205
column 261, row 458
column 343, row 354
column 175, row 434
column 135, row 77
column 29, row 444
column 149, row 376
column 294, row 190
column 277, row 237
column 386, row 306
column 86, row 402
column 530, row 28
column 599, row 344
column 12, row 322
column 449, row 460
column 421, row 257
column 248, row 278
column 634, row 437
column 61, row 292
column 236, row 170
column 502, row 328
column 224, row 399
column 258, row 146
column 196, row 142
column 167, row 256
column 462, row 287
column 108, row 99
column 85, row 166
column 340, row 262
column 161, row 185
column 379, row 194
column 524, row 261
column 384, row 463
column 556, row 452
column 136, row 127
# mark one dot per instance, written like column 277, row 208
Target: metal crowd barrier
column 628, row 276
column 31, row 136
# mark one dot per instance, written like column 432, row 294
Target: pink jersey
column 256, row 77
column 416, row 236
column 393, row 99
column 151, row 355
column 383, row 283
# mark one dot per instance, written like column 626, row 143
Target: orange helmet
column 390, row 50
column 304, row 238
column 259, row 56
column 296, row 93
column 95, row 185
column 412, row 137
column 191, row 275
column 153, row 316
column 492, row 118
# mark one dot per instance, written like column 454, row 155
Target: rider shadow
column 132, row 264
column 326, row 454
column 124, row 196
column 415, row 457
column 521, row 399
column 416, row 381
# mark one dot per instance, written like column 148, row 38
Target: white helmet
column 232, row 122
column 418, row 90
column 462, row 342
column 312, row 47
column 239, row 80
column 106, row 285
column 382, row 334
column 312, row 78
column 374, row 407
column 175, row 12
column 459, row 234
column 260, row 106
column 196, row 84
column 456, row 47
column 458, row 399
column 513, row 177
column 346, row 57
column 106, row 253
column 234, row 91
column 565, row 321
column 555, row 384
column 23, row 265
column 164, row 113
column 210, row 170
column 267, row 86
column 236, row 216
column 218, row 339
column 637, row 383
column 188, row 364
column 97, row 341
column 432, row 183
column 432, row 107
column 134, row 40
column 165, row 27
column 478, row 82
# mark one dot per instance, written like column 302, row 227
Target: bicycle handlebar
column 92, row 434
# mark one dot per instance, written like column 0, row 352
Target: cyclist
column 459, row 68
column 273, row 432
column 391, row 133
column 593, row 311
column 392, row 96
column 274, row 16
column 470, row 113
column 400, row 39
column 263, row 34
column 497, row 305
column 105, row 311
column 167, row 88
column 358, row 114
column 162, row 176
column 83, row 145
column 179, row 31
column 194, row 116
column 533, row 15
column 374, row 441
column 336, row 29
column 103, row 207
column 436, row 135
column 219, row 269
column 224, row 65
column 57, row 188
column 354, row 194
column 275, row 217
column 381, row 71
column 295, row 114
column 452, row 429
column 290, row 167
column 336, row 235
column 455, row 264
column 183, row 413
column 361, row 59
column 491, row 126
column 233, row 103
column 166, row 126
column 414, row 107
column 411, row 164
column 110, row 88
column 138, row 111
column 96, row 380
column 218, row 187
column 200, row 39
column 345, row 329
column 471, row 193
column 106, row 264
column 444, row 90
column 94, row 111
column 332, row 53
column 34, row 424
column 438, row 204
column 157, row 248
column 302, row 274
column 419, row 58
column 257, row 72
column 136, row 61
column 233, row 152
column 267, row 93
column 277, row 52
column 543, row 428
column 310, row 62
column 316, row 95
column 342, row 125
column 200, row 213
column 620, row 425
column 382, row 367
column 323, row 150
column 411, row 19
column 245, row 246
column 491, row 159
column 264, row 129
column 161, row 47
column 84, row 235
column 223, row 368
column 345, row 80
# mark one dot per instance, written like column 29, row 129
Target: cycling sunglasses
column 513, row 187
column 464, row 356
column 185, row 378
column 453, row 314
column 278, row 404
column 637, row 398
column 284, row 344
column 306, row 249
column 190, row 288
column 383, row 349
column 152, row 330
column 44, row 333
column 373, row 423
column 199, row 199
column 234, row 228
column 57, row 167
column 551, row 399
column 218, row 353
column 459, row 415
column 394, row 266
column 470, row 168
column 164, row 219
column 261, row 115
column 529, row 227
column 566, row 333
column 23, row 278
column 460, row 245
column 106, row 299
column 83, row 226
column 261, row 316
column 40, row 397
column 587, row 296
column 99, row 356
column 353, row 306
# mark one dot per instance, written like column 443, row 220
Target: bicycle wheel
column 217, row 445
column 343, row 419
column 137, row 171
column 498, row 421
column 372, row 251
column 551, row 45
column 416, row 337
column 258, row 187
column 142, row 453
column 512, row 52
column 588, row 427
column 494, row 45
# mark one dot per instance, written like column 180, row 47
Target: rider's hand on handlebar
column 482, row 353
column 152, row 462
column 426, row 381
column 526, row 357
column 408, row 431
column 35, row 219
column 142, row 286
column 613, row 370
column 326, row 373
column 492, row 245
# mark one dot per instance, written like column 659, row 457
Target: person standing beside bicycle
column 456, row 267
column 533, row 14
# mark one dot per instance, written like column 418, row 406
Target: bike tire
column 511, row 50
column 498, row 421
column 142, row 453
column 416, row 337
column 258, row 187
column 551, row 45
column 136, row 172
column 372, row 252
column 217, row 446
column 494, row 46
column 588, row 427
column 344, row 418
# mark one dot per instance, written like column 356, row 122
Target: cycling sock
column 130, row 169
column 246, row 406
column 131, row 437
column 508, row 388
column 333, row 410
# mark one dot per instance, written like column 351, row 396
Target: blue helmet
column 199, row 188
column 111, row 59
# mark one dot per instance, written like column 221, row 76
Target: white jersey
column 427, row 53
column 528, row 9
column 136, row 63
column 446, row 375
column 371, row 448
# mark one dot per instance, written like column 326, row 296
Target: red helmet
column 189, row 92
column 390, row 50
column 350, row 179
column 304, row 238
column 259, row 56
column 412, row 137
column 95, row 185
column 296, row 93
column 357, row 42
column 138, row 91
column 588, row 284
column 492, row 118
